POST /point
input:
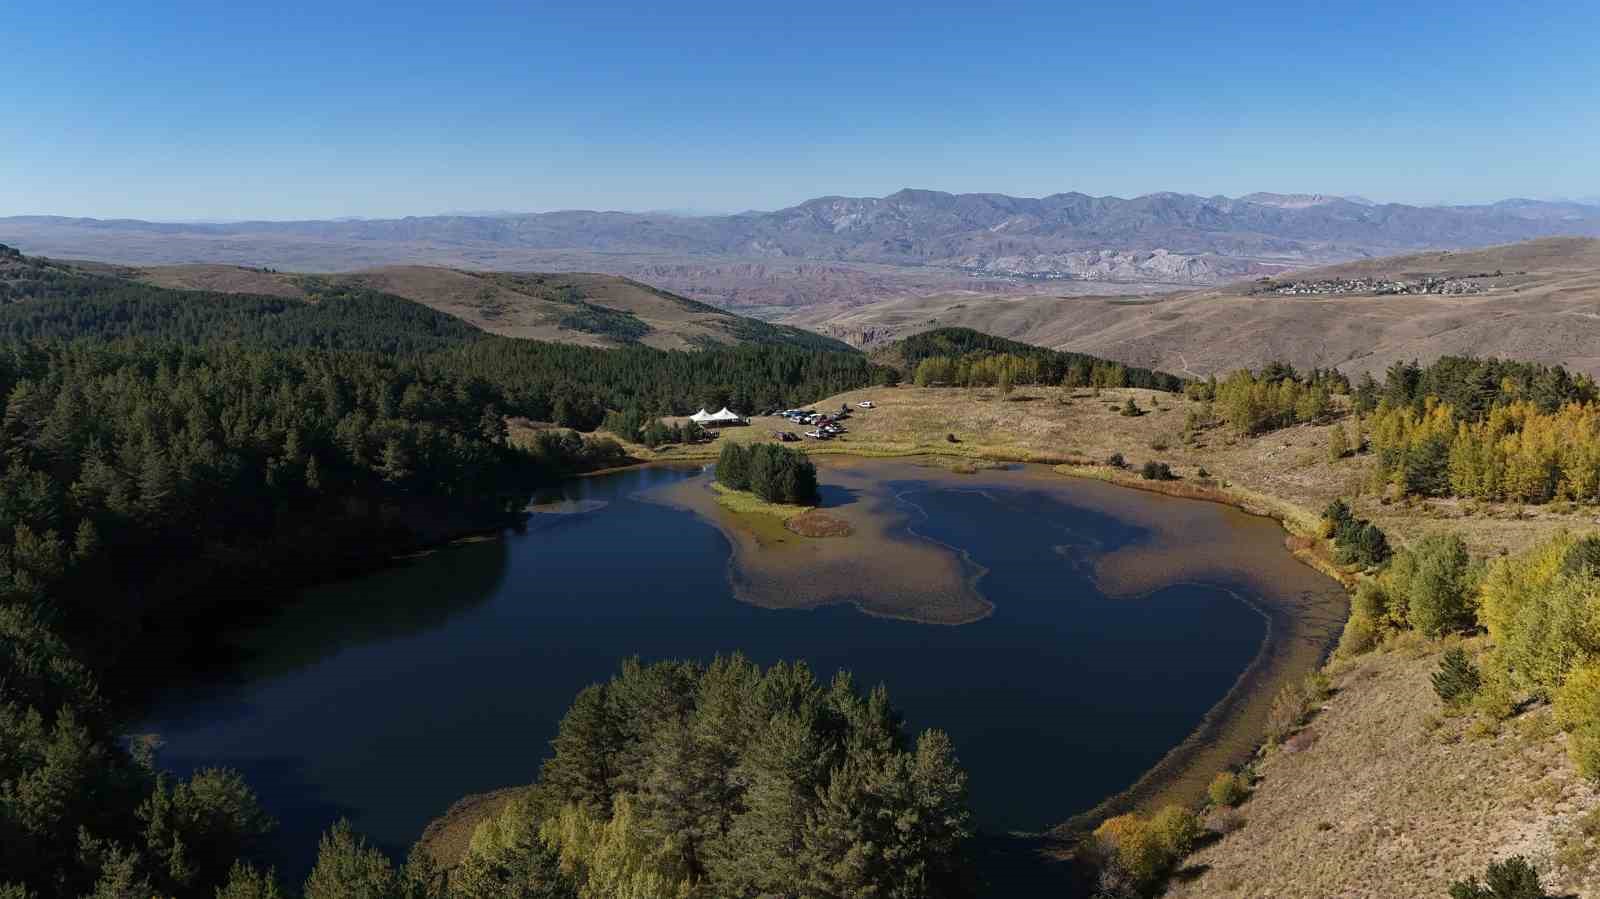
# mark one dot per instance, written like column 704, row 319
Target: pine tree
column 764, row 850
column 246, row 882
column 677, row 797
column 850, row 835
column 197, row 829
column 1513, row 878
column 726, row 718
column 348, row 868
column 584, row 765
column 643, row 701
column 507, row 859
column 1457, row 679
column 120, row 876
column 931, row 849
column 85, row 542
column 733, row 467
column 157, row 486
column 395, row 464
column 492, row 425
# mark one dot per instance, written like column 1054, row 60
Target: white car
column 867, row 404
column 817, row 435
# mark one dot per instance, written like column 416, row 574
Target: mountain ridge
column 851, row 249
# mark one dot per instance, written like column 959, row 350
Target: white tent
column 725, row 417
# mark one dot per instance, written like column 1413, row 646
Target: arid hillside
column 1382, row 795
column 1538, row 300
column 596, row 310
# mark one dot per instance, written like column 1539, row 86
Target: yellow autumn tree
column 614, row 858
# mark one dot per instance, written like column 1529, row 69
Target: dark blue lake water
column 384, row 699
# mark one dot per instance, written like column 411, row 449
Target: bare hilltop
column 1536, row 300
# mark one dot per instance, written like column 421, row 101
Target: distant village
column 1452, row 286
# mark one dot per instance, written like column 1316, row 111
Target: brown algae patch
column 879, row 567
column 566, row 507
column 817, row 523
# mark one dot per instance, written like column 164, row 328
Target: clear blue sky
column 208, row 110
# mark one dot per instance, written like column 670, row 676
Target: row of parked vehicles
column 824, row 425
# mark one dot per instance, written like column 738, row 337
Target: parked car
column 867, row 404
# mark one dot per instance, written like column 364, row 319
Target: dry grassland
column 1382, row 796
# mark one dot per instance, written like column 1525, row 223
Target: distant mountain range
column 852, row 249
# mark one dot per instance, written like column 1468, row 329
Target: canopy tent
column 724, row 417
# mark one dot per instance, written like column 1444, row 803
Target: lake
column 1110, row 623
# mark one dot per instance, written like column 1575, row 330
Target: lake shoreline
column 1229, row 734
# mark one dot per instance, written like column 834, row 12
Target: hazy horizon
column 713, row 213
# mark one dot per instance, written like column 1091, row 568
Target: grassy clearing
column 745, row 503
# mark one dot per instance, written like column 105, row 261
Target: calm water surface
column 386, row 698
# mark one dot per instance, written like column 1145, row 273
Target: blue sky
column 184, row 111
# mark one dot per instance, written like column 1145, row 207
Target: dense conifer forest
column 172, row 458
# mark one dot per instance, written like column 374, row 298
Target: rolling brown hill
column 1539, row 301
column 569, row 307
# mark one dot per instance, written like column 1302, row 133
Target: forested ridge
column 174, row 457
column 626, row 327
column 967, row 358
column 73, row 298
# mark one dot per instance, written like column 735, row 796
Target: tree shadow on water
column 302, row 812
column 833, row 496
column 1013, row 865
